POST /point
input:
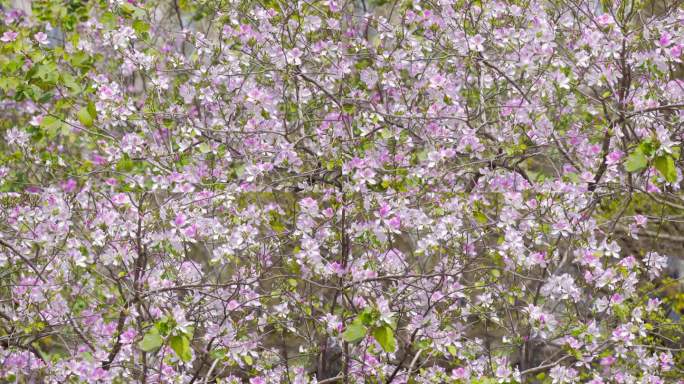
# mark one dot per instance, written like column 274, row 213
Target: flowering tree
column 227, row 191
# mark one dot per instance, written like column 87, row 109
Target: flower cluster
column 321, row 191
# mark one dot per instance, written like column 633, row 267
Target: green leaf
column 647, row 147
column 150, row 342
column 218, row 354
column 125, row 164
column 164, row 325
column 666, row 166
column 366, row 317
column 127, row 8
column 636, row 161
column 424, row 343
column 239, row 169
column 46, row 72
column 204, row 148
column 275, row 222
column 70, row 82
column 79, row 59
column 355, row 332
column 52, row 126
column 181, row 345
column 84, row 117
column 91, row 110
column 385, row 336
column 108, row 19
column 480, row 217
column 422, row 155
column 9, row 83
column 621, row 311
column 141, row 27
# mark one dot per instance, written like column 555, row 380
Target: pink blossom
column 309, row 206
column 9, row 36
column 179, row 220
column 478, row 42
column 460, row 373
column 664, row 40
column 278, row 189
column 128, row 336
column 394, row 223
column 69, row 186
column 614, row 157
column 337, row 268
column 41, row 38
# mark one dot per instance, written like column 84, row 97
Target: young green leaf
column 150, row 342
column 52, row 126
column 666, row 166
column 84, row 117
column 385, row 336
column 125, row 164
column 181, row 345
column 355, row 332
column 141, row 27
column 636, row 161
column 366, row 317
column 91, row 110
column 647, row 147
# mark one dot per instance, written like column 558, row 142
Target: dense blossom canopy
column 397, row 191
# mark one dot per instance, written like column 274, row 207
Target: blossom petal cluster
column 330, row 191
